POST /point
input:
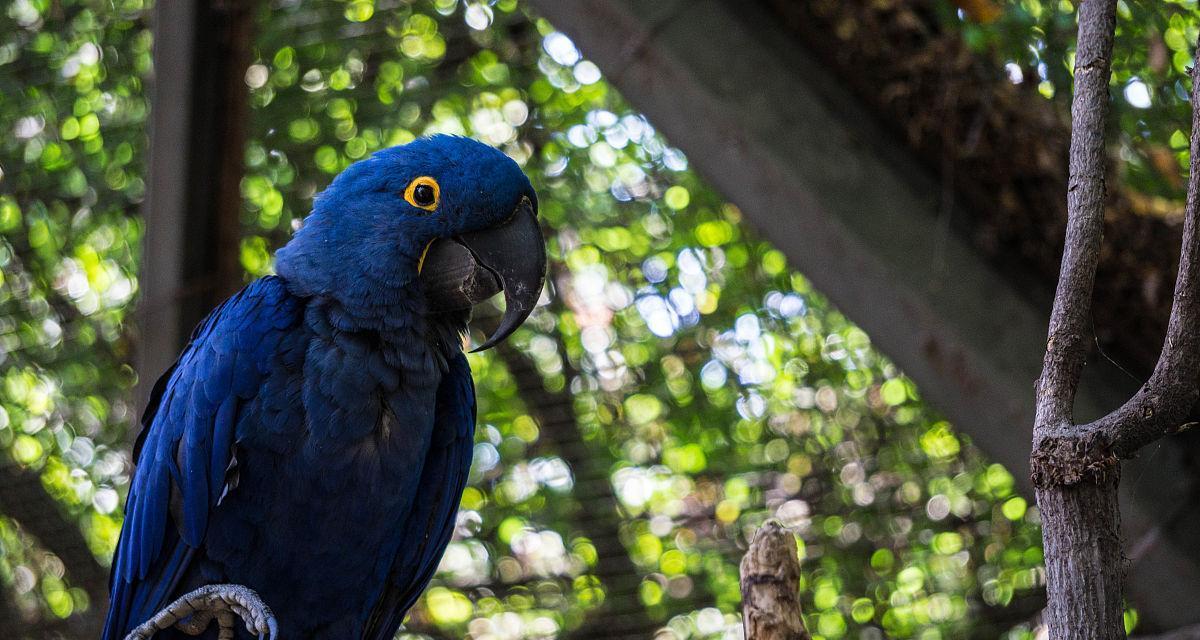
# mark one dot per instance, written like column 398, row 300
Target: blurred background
column 684, row 379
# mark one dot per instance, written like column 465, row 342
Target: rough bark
column 770, row 577
column 1076, row 467
column 1084, row 561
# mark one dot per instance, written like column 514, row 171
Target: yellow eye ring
column 423, row 193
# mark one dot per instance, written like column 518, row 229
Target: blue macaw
column 313, row 439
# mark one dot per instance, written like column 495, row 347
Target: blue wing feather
column 431, row 522
column 186, row 446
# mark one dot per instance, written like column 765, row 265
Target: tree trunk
column 1084, row 561
column 1076, row 468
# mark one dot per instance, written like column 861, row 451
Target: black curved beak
column 458, row 273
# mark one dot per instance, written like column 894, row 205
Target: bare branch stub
column 770, row 576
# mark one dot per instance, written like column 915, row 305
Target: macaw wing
column 430, row 524
column 186, row 446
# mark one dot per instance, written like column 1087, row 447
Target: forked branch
column 1065, row 454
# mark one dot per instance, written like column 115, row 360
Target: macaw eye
column 423, row 193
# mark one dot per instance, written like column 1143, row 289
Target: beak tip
column 513, row 255
column 488, row 343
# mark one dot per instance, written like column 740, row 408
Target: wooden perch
column 770, row 586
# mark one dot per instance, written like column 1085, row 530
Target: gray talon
column 193, row 612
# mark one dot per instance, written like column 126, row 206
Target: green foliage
column 1153, row 51
column 73, row 111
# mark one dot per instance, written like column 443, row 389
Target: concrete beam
column 813, row 172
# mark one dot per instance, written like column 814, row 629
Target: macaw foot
column 193, row 612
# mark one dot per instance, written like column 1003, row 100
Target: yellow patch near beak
column 424, row 252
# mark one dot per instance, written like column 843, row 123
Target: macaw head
column 433, row 227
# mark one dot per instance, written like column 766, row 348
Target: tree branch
column 1162, row 405
column 1073, row 470
column 1070, row 321
column 1076, row 470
